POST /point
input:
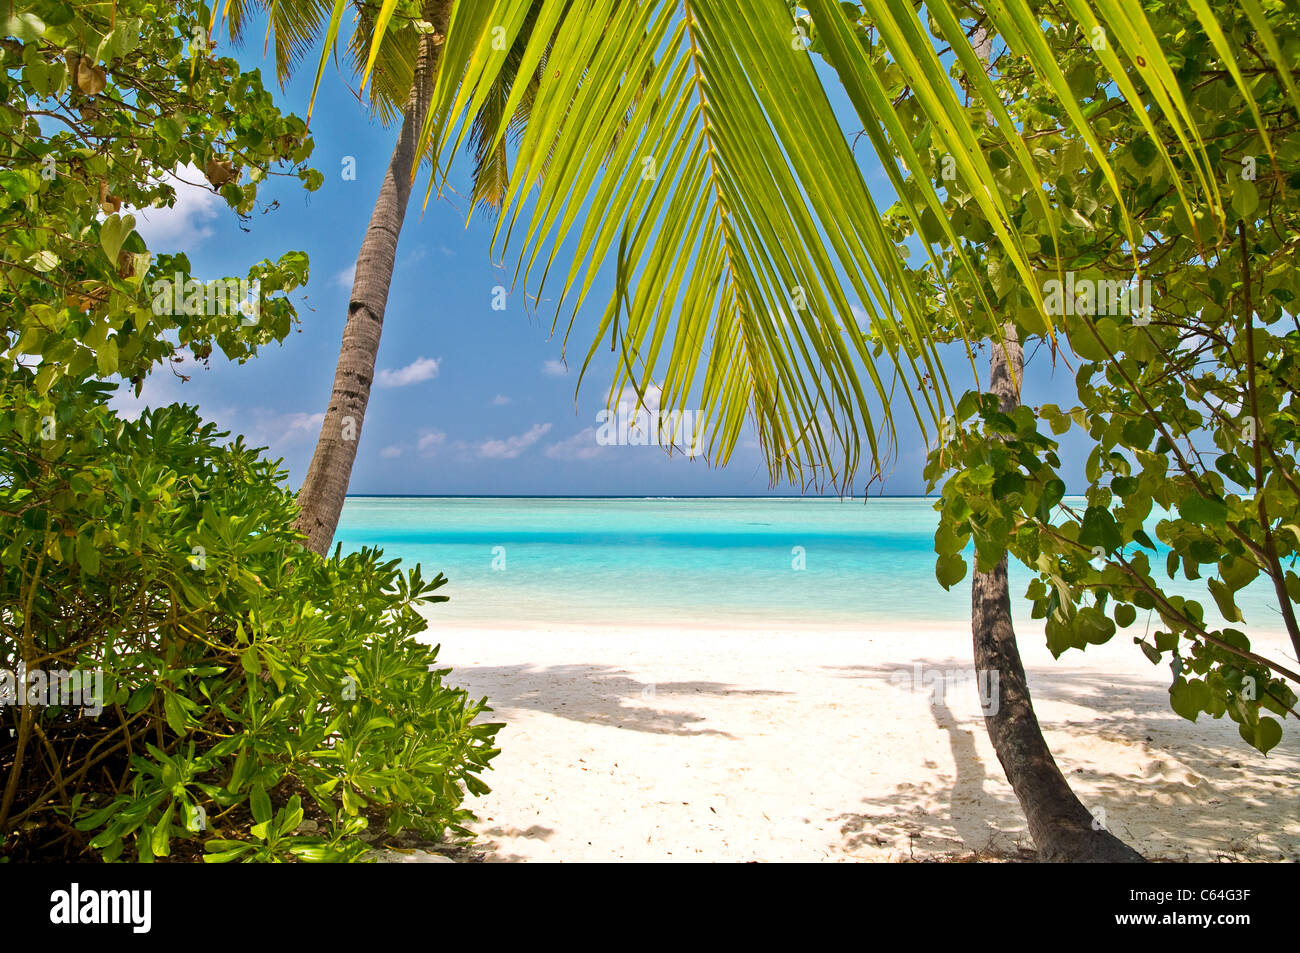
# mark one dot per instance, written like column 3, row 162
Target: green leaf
column 28, row 27
column 1092, row 626
column 1083, row 339
column 290, row 817
column 144, row 844
column 46, row 78
column 1060, row 636
column 950, row 570
column 174, row 711
column 1223, row 598
column 946, row 541
column 168, row 129
column 259, row 803
column 1189, row 699
column 106, row 358
column 1245, row 198
column 1267, row 734
column 1098, row 528
column 352, row 802
column 87, row 554
column 1145, row 151
column 1204, row 512
column 1053, row 493
column 1237, row 572
column 221, row 851
column 160, row 837
column 113, row 231
column 44, row 260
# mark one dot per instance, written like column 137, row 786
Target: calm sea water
column 679, row 561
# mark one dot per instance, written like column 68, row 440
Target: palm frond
column 689, row 148
column 753, row 194
column 293, row 28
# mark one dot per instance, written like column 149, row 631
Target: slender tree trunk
column 326, row 485
column 1062, row 828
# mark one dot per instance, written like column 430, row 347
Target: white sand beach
column 710, row 745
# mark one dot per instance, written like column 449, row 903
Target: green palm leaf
column 690, row 147
column 753, row 194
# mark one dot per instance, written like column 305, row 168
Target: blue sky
column 468, row 400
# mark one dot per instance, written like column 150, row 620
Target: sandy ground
column 672, row 745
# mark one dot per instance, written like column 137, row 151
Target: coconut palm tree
column 739, row 228
column 400, row 75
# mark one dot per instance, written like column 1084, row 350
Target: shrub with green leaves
column 247, row 684
column 236, row 665
column 1181, row 319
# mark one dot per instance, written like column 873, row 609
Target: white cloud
column 500, row 400
column 554, row 369
column 581, row 446
column 159, row 390
column 273, row 429
column 627, row 398
column 185, row 225
column 260, row 426
column 425, row 444
column 345, row 277
column 512, row 447
column 421, row 369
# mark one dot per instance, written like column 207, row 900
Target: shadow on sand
column 595, row 694
column 1160, row 780
column 1185, row 770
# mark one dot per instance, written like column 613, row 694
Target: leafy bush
column 246, row 683
column 1185, row 348
column 236, row 664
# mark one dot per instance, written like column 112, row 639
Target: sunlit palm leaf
column 756, row 194
column 378, row 31
column 732, row 200
column 384, row 59
column 293, row 26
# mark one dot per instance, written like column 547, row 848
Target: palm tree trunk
column 321, row 496
column 1062, row 828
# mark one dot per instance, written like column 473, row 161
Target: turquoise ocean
column 713, row 562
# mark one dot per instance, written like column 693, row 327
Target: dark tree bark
column 1062, row 828
column 325, row 487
